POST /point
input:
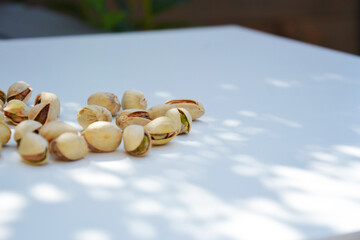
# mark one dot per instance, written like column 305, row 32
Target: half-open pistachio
column 24, row 127
column 16, row 111
column 47, row 97
column 107, row 100
column 195, row 108
column 133, row 99
column 53, row 129
column 92, row 113
column 132, row 116
column 69, row 147
column 5, row 133
column 182, row 119
column 159, row 110
column 20, row 91
column 43, row 113
column 33, row 149
column 137, row 140
column 161, row 130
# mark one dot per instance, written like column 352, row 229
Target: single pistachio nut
column 43, row 113
column 20, row 91
column 107, row 100
column 133, row 99
column 5, row 133
column 195, row 108
column 69, row 147
column 54, row 129
column 33, row 149
column 159, row 110
column 2, row 98
column 161, row 130
column 16, row 111
column 132, row 117
column 93, row 113
column 102, row 136
column 137, row 140
column 2, row 117
column 24, row 127
column 47, row 97
column 182, row 119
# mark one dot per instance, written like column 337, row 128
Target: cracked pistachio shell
column 161, row 130
column 20, row 91
column 137, row 140
column 107, row 100
column 93, row 113
column 182, row 119
column 102, row 136
column 33, row 149
column 24, row 127
column 69, row 147
column 195, row 108
column 132, row 117
column 47, row 97
column 54, row 129
column 159, row 110
column 5, row 133
column 16, row 111
column 43, row 113
column 2, row 117
column 2, row 98
column 133, row 99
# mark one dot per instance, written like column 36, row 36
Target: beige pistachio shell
column 161, row 130
column 2, row 98
column 132, row 117
column 133, row 99
column 20, row 91
column 47, row 97
column 107, row 100
column 137, row 140
column 33, row 149
column 93, row 113
column 102, row 136
column 159, row 110
column 16, row 111
column 5, row 133
column 2, row 117
column 182, row 119
column 195, row 108
column 54, row 129
column 69, row 147
column 43, row 113
column 24, row 127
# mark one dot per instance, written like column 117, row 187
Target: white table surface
column 276, row 156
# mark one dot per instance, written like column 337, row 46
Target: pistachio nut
column 24, row 127
column 102, row 136
column 161, row 130
column 47, row 97
column 107, row 100
column 2, row 98
column 20, row 91
column 2, row 117
column 5, row 133
column 33, row 149
column 159, row 110
column 93, row 113
column 16, row 111
column 53, row 129
column 133, row 99
column 182, row 119
column 137, row 140
column 69, row 147
column 43, row 113
column 195, row 108
column 132, row 116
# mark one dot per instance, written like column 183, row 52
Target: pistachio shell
column 182, row 119
column 16, row 111
column 161, row 130
column 69, row 147
column 33, row 149
column 24, row 127
column 2, row 117
column 43, row 113
column 137, row 140
column 54, row 129
column 20, row 91
column 159, row 110
column 2, row 98
column 107, row 100
column 5, row 133
column 132, row 117
column 133, row 99
column 102, row 136
column 195, row 108
column 47, row 97
column 93, row 113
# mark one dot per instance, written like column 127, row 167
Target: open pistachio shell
column 132, row 117
column 159, row 110
column 182, row 119
column 92, row 113
column 43, row 113
column 133, row 99
column 16, row 111
column 53, row 129
column 47, row 97
column 102, row 136
column 161, row 130
column 33, row 149
column 107, row 100
column 20, row 91
column 69, row 147
column 24, row 127
column 195, row 108
column 5, row 132
column 137, row 140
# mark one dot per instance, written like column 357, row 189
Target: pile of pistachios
column 38, row 131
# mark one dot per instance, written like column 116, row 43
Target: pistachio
column 54, row 129
column 33, row 149
column 93, row 113
column 137, row 140
column 182, row 119
column 102, row 136
column 43, row 113
column 133, row 99
column 69, row 147
column 2, row 98
column 195, row 108
column 132, row 116
column 2, row 117
column 159, row 110
column 107, row 100
column 5, row 133
column 47, row 97
column 25, row 127
column 16, row 111
column 161, row 130
column 20, row 91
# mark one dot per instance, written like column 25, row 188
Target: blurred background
column 330, row 23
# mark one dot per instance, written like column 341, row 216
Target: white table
column 276, row 156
